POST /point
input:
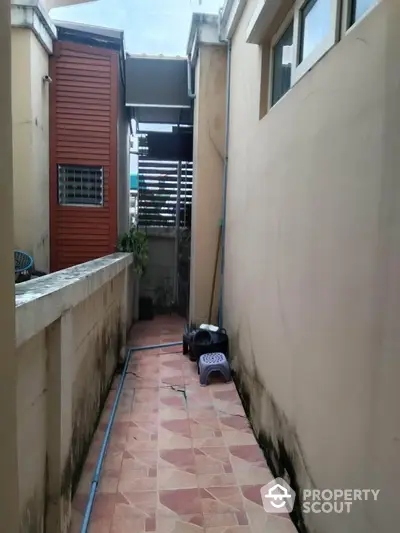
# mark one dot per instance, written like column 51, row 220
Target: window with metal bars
column 80, row 185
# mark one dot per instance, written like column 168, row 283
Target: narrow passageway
column 182, row 458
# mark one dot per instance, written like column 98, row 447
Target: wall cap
column 41, row 301
column 204, row 30
column 32, row 15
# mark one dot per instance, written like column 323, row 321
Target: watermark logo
column 278, row 497
column 336, row 500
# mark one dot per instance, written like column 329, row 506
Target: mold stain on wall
column 102, row 353
column 277, row 438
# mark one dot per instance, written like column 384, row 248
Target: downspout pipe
column 225, row 181
column 104, row 446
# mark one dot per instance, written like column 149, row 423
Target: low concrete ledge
column 42, row 301
column 71, row 328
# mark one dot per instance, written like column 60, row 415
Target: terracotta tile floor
column 182, row 458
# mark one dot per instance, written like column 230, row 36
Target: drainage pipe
column 104, row 446
column 225, row 181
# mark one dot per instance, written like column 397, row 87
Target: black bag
column 200, row 341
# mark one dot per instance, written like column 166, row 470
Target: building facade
column 89, row 154
column 310, row 285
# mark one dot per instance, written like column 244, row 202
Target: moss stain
column 280, row 460
column 102, row 355
column 88, row 412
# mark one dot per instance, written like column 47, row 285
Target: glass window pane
column 282, row 64
column 359, row 7
column 315, row 25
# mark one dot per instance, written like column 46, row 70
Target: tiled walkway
column 182, row 458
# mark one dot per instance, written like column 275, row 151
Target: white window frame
column 346, row 14
column 299, row 69
column 275, row 39
column 340, row 26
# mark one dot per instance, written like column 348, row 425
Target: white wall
column 312, row 291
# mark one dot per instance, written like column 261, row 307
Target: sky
column 151, row 26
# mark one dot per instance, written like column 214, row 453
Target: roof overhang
column 231, row 14
column 262, row 18
column 106, row 35
column 157, row 89
column 263, row 15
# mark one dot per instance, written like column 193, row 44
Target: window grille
column 80, row 185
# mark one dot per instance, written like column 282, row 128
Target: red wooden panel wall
column 83, row 131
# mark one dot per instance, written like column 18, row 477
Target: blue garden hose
column 104, row 446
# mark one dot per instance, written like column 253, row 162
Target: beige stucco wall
column 30, row 111
column 208, row 165
column 64, row 373
column 9, row 511
column 312, row 290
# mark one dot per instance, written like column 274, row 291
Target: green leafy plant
column 135, row 241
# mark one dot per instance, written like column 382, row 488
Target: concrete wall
column 32, row 404
column 30, row 111
column 208, row 165
column 312, row 291
column 9, row 511
column 66, row 360
column 96, row 323
column 159, row 276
